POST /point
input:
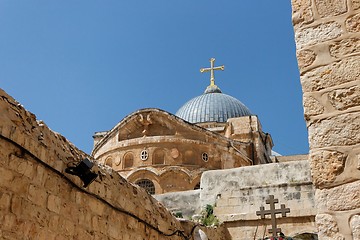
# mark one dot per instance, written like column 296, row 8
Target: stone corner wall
column 38, row 200
column 186, row 202
column 327, row 35
column 238, row 193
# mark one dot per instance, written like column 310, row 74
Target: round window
column 144, row 155
column 205, row 157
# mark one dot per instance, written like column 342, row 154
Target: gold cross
column 211, row 70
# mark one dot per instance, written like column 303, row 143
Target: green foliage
column 208, row 218
column 178, row 215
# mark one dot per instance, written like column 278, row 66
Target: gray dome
column 212, row 106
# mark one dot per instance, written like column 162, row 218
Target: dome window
column 147, row 184
column 144, row 155
column 205, row 157
column 128, row 160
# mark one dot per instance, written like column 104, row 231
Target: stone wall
column 38, row 200
column 238, row 193
column 327, row 35
column 186, row 202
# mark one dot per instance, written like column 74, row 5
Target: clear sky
column 83, row 65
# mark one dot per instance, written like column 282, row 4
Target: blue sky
column 82, row 66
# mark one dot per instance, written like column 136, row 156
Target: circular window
column 144, row 155
column 205, row 157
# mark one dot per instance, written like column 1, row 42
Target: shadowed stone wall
column 38, row 200
column 327, row 35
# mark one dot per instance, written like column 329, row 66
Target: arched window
column 128, row 160
column 159, row 157
column 109, row 162
column 189, row 157
column 147, row 184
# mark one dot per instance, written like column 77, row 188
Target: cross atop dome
column 212, row 87
column 211, row 70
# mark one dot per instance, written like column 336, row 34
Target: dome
column 212, row 106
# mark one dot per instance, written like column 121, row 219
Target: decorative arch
column 109, row 161
column 169, row 182
column 128, row 160
column 147, row 184
column 139, row 174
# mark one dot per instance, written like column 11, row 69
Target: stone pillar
column 327, row 34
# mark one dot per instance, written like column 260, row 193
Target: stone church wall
column 38, row 200
column 238, row 193
column 327, row 35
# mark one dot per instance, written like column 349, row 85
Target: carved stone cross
column 211, row 70
column 272, row 212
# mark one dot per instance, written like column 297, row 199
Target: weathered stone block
column 61, row 237
column 342, row 99
column 27, row 228
column 328, row 8
column 66, row 227
column 325, row 166
column 54, row 222
column 96, row 206
column 312, row 106
column 337, row 73
column 341, row 130
column 317, row 34
column 328, row 228
column 6, row 176
column 4, row 201
column 340, row 198
column 45, row 234
column 19, row 185
column 347, row 197
column 353, row 23
column 302, row 12
column 16, row 205
column 297, row 5
column 40, row 175
column 305, row 57
column 81, row 233
column 37, row 195
column 52, row 183
column 9, row 222
column 54, row 203
column 356, row 4
column 344, row 47
column 355, row 227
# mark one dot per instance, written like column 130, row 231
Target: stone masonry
column 327, row 35
column 38, row 200
column 238, row 193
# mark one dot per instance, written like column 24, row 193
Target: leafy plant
column 208, row 218
column 178, row 215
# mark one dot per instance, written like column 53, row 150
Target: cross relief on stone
column 272, row 212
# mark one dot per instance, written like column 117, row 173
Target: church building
column 165, row 152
